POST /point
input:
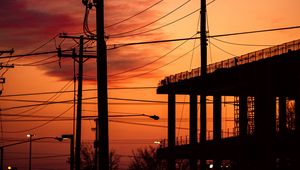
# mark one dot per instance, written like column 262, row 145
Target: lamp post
column 31, row 140
column 71, row 137
column 154, row 117
column 30, row 146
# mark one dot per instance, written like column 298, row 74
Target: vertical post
column 30, row 147
column 217, row 125
column 171, row 129
column 193, row 128
column 96, row 144
column 297, row 115
column 217, row 105
column 72, row 153
column 2, row 154
column 243, row 120
column 282, row 116
column 265, row 129
column 79, row 106
column 193, row 118
column 203, row 75
column 102, row 87
column 282, row 130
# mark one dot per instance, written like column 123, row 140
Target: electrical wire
column 115, row 46
column 160, row 27
column 41, row 46
column 157, row 68
column 36, row 62
column 223, row 50
column 190, row 67
column 71, row 91
column 126, row 19
column 41, row 125
column 141, row 27
column 51, row 99
column 242, row 44
column 165, row 25
column 151, row 62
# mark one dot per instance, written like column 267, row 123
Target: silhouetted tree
column 144, row 159
column 88, row 158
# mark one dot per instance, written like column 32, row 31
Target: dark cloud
column 25, row 26
column 22, row 26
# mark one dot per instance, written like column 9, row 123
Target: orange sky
column 29, row 24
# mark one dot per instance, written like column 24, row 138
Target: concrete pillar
column 243, row 120
column 282, row 116
column 193, row 128
column 217, row 117
column 282, row 131
column 171, row 129
column 297, row 115
column 217, row 126
column 203, row 127
column 265, row 129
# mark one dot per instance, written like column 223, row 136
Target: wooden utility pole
column 203, row 75
column 79, row 94
column 103, row 143
column 2, row 79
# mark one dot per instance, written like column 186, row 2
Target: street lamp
column 154, row 117
column 30, row 145
column 71, row 137
column 31, row 140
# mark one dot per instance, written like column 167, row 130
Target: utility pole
column 1, row 154
column 102, row 88
column 79, row 95
column 203, row 75
column 2, row 79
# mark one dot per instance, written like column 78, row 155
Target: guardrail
column 232, row 62
column 185, row 140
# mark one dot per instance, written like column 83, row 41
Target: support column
column 193, row 128
column 296, row 147
column 243, row 120
column 282, row 116
column 282, row 132
column 243, row 125
column 171, row 130
column 297, row 115
column 203, row 127
column 265, row 129
column 217, row 111
column 217, row 126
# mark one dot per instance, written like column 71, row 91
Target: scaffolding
column 236, row 127
column 250, row 115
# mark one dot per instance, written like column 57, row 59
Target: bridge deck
column 279, row 75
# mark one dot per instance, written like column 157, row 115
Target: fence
column 232, row 62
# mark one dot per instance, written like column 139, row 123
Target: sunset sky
column 30, row 26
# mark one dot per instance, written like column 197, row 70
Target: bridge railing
column 232, row 62
column 185, row 140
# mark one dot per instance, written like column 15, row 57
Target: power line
column 157, row 68
column 157, row 28
column 126, row 19
column 31, row 54
column 151, row 62
column 169, row 13
column 36, row 49
column 41, row 125
column 165, row 25
column 222, row 49
column 242, row 44
column 71, row 91
column 114, row 46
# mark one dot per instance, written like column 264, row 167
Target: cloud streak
column 25, row 26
